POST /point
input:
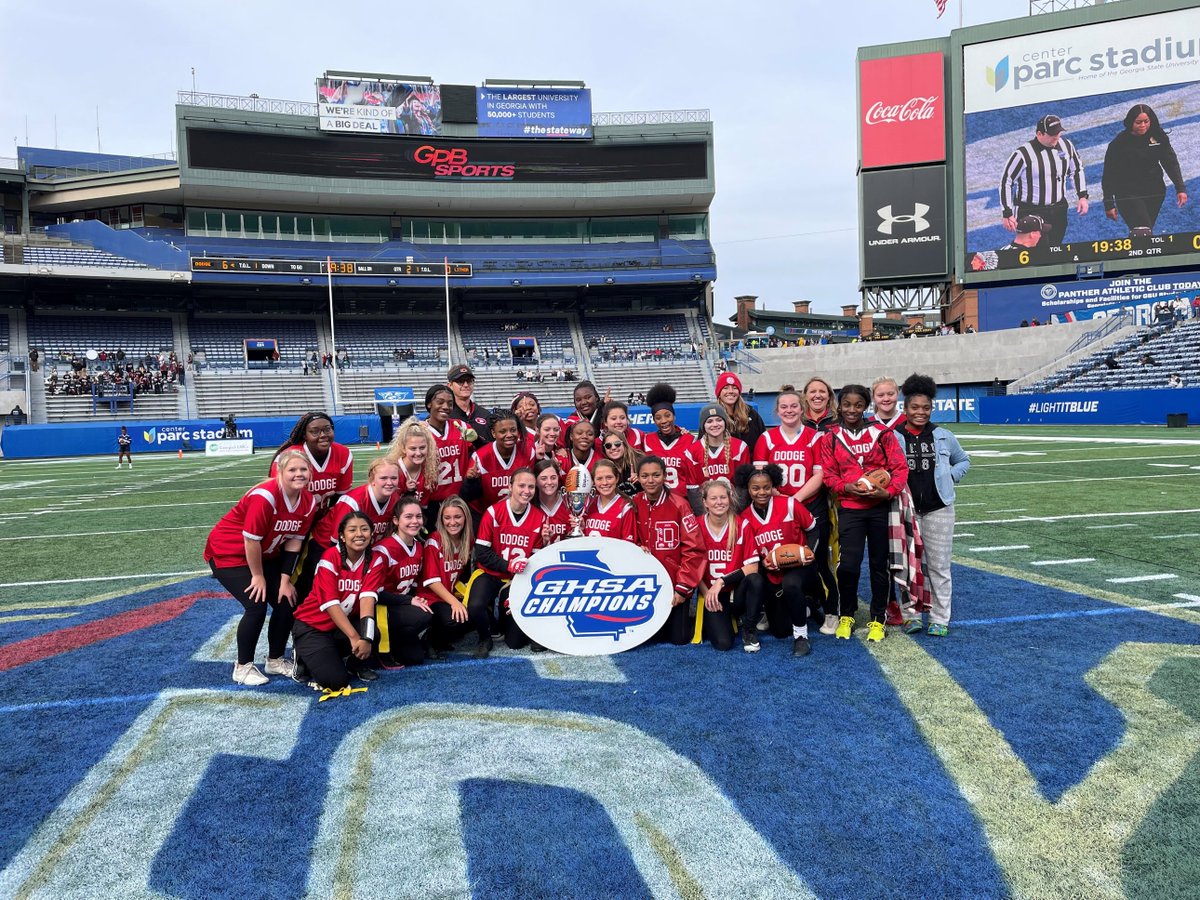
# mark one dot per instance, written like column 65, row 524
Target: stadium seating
column 373, row 342
column 145, row 406
column 480, row 335
column 607, row 336
column 4, row 326
column 77, row 256
column 62, row 337
column 1172, row 350
column 222, row 340
column 266, row 392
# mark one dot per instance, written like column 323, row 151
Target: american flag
column 941, row 5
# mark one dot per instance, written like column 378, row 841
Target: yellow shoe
column 845, row 627
column 875, row 632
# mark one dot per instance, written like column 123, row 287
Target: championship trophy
column 579, row 486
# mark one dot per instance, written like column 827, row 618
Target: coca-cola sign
column 902, row 104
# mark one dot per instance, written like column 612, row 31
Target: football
column 876, row 478
column 787, row 556
column 578, row 480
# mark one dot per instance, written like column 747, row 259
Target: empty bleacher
column 76, row 256
column 609, row 337
column 382, row 343
column 1168, row 350
column 486, row 341
column 61, row 408
column 4, row 327
column 222, row 340
column 61, row 337
column 259, row 392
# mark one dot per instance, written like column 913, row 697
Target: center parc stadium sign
column 591, row 596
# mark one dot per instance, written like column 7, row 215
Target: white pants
column 937, row 530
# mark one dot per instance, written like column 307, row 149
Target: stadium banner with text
column 1140, row 407
column 902, row 110
column 903, row 221
column 229, row 447
column 378, row 107
column 1096, row 79
column 1007, row 307
column 534, row 112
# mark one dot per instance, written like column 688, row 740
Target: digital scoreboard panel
column 250, row 266
column 1150, row 246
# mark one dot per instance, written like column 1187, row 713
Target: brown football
column 879, row 478
column 787, row 556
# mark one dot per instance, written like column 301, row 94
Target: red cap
column 727, row 378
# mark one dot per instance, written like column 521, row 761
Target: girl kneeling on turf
column 253, row 550
column 727, row 589
column 392, row 582
column 446, row 558
column 334, row 625
column 772, row 520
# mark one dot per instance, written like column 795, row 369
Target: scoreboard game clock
column 251, row 266
column 1103, row 250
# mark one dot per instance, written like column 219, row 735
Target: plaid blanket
column 906, row 551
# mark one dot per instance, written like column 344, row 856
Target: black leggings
column 825, row 584
column 786, row 603
column 675, row 630
column 857, row 527
column 745, row 602
column 1141, row 212
column 324, row 653
column 406, row 626
column 236, row 580
column 481, row 607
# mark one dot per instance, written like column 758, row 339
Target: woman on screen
column 1133, row 169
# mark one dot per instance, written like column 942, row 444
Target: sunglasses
column 613, row 445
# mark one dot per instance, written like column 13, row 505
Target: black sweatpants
column 1141, row 212
column 745, row 602
column 236, row 580
column 824, row 588
column 856, row 528
column 324, row 653
column 1054, row 215
column 407, row 624
column 676, row 630
column 482, row 603
column 786, row 603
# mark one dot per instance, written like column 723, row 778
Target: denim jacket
column 951, row 464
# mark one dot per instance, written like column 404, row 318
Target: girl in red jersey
column 668, row 530
column 714, row 455
column 885, row 398
column 252, row 552
column 587, row 408
column 773, row 519
column 528, row 409
column 551, row 502
column 616, row 450
column 608, row 512
column 376, row 500
column 549, row 435
column 414, row 450
column 392, row 583
column 453, row 445
column 615, row 417
column 493, row 465
column 668, row 441
column 818, row 400
column 851, row 449
column 445, row 559
column 581, row 447
column 727, row 589
column 510, row 533
column 334, row 625
column 792, row 446
column 744, row 421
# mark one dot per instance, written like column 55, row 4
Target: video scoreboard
column 251, row 266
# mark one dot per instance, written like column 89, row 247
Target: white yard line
column 1164, row 537
column 57, row 536
column 992, row 549
column 1162, row 576
column 1063, row 562
column 1034, row 439
column 994, row 484
column 104, row 578
column 1102, row 515
column 1122, row 525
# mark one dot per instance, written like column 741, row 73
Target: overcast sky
column 778, row 78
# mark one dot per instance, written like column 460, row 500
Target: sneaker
column 845, row 628
column 875, row 632
column 483, row 650
column 118, row 465
column 535, row 647
column 433, row 651
column 300, row 673
column 939, row 630
column 894, row 616
column 800, row 647
column 387, row 661
column 830, row 626
column 248, row 674
column 763, row 625
column 750, row 641
column 365, row 674
column 280, row 666
column 912, row 626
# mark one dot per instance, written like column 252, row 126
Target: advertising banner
column 229, row 447
column 1141, row 407
column 534, row 112
column 903, row 221
column 1007, row 307
column 902, row 110
column 1090, row 130
column 393, row 395
column 378, row 107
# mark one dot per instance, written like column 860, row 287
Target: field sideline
column 1045, row 748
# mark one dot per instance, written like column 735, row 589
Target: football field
column 1047, row 747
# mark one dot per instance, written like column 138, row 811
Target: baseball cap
column 1029, row 224
column 459, row 372
column 1050, row 125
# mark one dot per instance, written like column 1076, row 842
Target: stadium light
column 533, row 82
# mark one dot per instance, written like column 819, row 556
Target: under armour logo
column 920, row 223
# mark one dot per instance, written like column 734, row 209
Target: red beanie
column 727, row 378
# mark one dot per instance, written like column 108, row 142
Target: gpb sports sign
column 591, row 596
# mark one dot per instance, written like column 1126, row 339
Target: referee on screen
column 1035, row 178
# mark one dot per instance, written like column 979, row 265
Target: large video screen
column 1083, row 144
column 379, row 107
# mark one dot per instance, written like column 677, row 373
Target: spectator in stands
column 1110, row 362
column 461, row 380
column 1147, row 360
column 1164, row 315
column 745, row 423
column 1196, row 307
column 1174, row 380
column 1181, row 308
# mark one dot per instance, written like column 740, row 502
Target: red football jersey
column 436, row 567
column 674, row 454
column 721, row 559
column 359, row 499
column 670, row 532
column 263, row 514
column 395, row 568
column 559, row 519
column 567, row 461
column 333, row 584
column 333, row 476
column 705, row 464
column 845, row 456
column 797, row 457
column 415, row 486
column 454, row 458
column 785, row 522
column 495, row 473
column 511, row 536
column 616, row 520
column 895, row 423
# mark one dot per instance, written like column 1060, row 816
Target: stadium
column 350, row 253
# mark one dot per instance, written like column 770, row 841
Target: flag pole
column 332, row 334
column 449, row 356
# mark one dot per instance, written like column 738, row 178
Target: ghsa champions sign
column 591, row 596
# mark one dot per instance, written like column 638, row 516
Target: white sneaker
column 830, row 626
column 281, row 666
column 118, row 465
column 763, row 624
column 249, row 674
